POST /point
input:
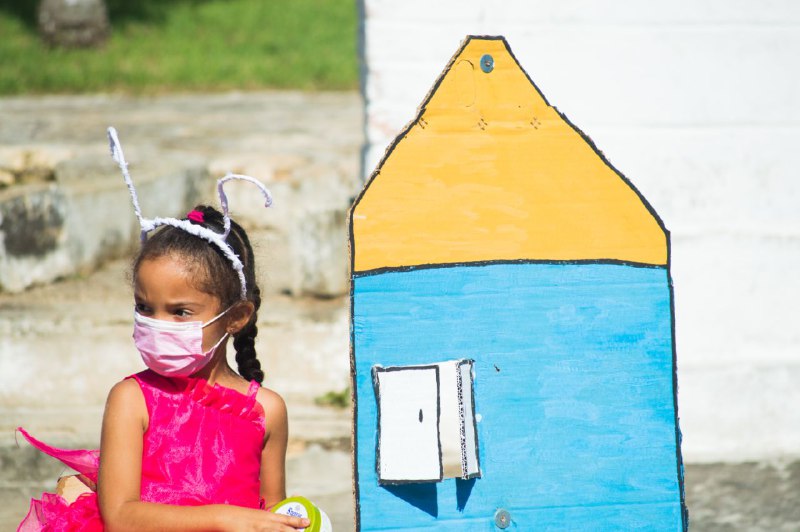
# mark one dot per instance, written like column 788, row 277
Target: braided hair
column 213, row 274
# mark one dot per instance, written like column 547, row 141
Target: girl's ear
column 239, row 316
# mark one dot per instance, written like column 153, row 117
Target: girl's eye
column 182, row 313
column 141, row 308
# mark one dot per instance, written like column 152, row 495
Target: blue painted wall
column 573, row 386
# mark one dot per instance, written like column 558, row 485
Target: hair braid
column 244, row 341
column 245, row 344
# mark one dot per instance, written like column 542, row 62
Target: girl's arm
column 124, row 423
column 273, row 457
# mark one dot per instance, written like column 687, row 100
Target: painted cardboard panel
column 494, row 230
column 521, row 182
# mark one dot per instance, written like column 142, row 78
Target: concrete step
column 752, row 496
column 322, row 475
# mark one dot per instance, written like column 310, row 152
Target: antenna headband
column 217, row 239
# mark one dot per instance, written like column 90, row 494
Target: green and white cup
column 303, row 508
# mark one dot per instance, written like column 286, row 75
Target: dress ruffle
column 85, row 462
column 227, row 400
column 53, row 514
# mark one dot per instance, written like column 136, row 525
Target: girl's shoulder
column 127, row 400
column 127, row 390
column 270, row 401
column 274, row 408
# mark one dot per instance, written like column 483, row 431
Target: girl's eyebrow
column 183, row 304
column 138, row 298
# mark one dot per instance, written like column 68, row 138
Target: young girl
column 187, row 444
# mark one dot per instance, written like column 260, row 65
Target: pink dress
column 202, row 446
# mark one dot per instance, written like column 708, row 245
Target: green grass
column 334, row 399
column 189, row 45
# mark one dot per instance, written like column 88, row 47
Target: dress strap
column 252, row 391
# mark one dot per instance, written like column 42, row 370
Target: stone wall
column 68, row 220
column 65, row 208
column 695, row 102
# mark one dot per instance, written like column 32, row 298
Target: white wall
column 698, row 103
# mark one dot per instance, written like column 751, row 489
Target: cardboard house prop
column 512, row 350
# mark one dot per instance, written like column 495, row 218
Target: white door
column 409, row 449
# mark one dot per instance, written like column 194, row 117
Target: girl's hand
column 282, row 523
column 246, row 520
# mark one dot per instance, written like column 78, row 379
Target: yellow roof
column 490, row 171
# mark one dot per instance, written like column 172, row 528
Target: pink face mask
column 173, row 349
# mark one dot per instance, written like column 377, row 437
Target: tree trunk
column 73, row 23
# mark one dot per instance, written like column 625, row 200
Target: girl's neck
column 222, row 375
column 217, row 371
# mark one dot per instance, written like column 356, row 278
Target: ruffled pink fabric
column 84, row 462
column 202, row 446
column 53, row 514
column 203, row 443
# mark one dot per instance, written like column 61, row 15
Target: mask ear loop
column 223, row 199
column 213, row 237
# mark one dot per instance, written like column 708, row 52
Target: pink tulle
column 53, row 514
column 84, row 462
column 202, row 446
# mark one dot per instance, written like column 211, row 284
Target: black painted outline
column 376, row 385
column 353, row 382
column 678, row 435
column 478, row 263
column 354, row 274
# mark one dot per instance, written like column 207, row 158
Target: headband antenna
column 218, row 239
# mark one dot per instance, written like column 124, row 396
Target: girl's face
column 163, row 291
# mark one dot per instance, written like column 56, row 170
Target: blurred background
column 695, row 102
